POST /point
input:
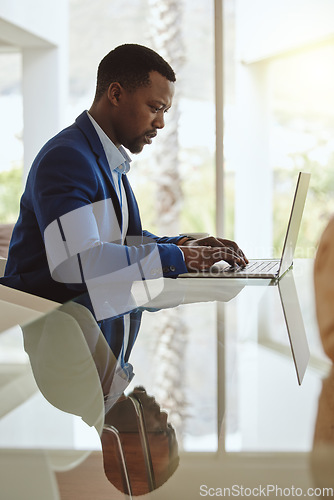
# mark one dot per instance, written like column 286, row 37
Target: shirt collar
column 118, row 159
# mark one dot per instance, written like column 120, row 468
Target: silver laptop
column 267, row 268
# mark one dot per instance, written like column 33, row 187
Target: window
column 11, row 128
column 278, row 118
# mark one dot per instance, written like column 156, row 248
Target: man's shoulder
column 72, row 138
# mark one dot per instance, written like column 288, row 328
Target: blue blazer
column 71, row 172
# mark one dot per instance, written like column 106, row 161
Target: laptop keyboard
column 255, row 267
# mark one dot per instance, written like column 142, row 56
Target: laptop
column 266, row 268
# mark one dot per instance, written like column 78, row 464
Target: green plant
column 10, row 193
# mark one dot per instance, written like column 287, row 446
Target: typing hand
column 198, row 258
column 220, row 249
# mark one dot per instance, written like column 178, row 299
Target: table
column 211, row 357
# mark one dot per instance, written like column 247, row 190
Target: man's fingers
column 203, row 257
column 236, row 248
column 229, row 245
column 229, row 255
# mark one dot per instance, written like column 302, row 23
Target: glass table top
column 174, row 389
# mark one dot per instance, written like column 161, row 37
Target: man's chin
column 136, row 147
column 136, row 150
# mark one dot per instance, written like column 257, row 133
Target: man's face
column 123, row 416
column 161, row 437
column 140, row 113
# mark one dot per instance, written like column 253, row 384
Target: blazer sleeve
column 171, row 255
column 162, row 239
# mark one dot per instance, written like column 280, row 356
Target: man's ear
column 114, row 93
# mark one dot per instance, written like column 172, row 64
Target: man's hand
column 205, row 252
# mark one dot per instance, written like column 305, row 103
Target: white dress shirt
column 119, row 163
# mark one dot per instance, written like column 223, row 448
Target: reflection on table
column 188, row 385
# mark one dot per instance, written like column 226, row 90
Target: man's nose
column 159, row 121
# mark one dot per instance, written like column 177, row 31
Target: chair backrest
column 5, row 236
column 2, row 266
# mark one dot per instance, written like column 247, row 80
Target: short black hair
column 130, row 65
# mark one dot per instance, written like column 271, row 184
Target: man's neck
column 96, row 111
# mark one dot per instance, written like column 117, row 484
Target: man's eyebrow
column 161, row 103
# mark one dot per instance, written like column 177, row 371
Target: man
column 79, row 224
column 322, row 456
column 324, row 289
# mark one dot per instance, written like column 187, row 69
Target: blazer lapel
column 134, row 225
column 87, row 128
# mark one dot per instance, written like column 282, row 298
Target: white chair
column 2, row 266
column 27, row 474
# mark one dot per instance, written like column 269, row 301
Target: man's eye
column 154, row 109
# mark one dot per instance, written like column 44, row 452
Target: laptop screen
column 294, row 222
